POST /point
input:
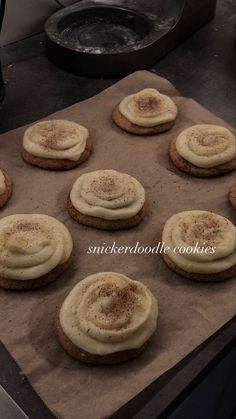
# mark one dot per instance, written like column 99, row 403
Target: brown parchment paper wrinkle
column 189, row 312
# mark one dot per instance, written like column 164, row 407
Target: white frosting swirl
column 206, row 146
column 108, row 312
column 207, row 229
column 32, row 245
column 56, row 139
column 148, row 108
column 2, row 183
column 107, row 194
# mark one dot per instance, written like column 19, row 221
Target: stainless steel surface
column 8, row 407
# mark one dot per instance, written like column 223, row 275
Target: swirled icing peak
column 107, row 194
column 31, row 245
column 185, row 230
column 108, row 312
column 56, row 139
column 206, row 146
column 148, row 108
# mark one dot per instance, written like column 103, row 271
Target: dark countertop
column 203, row 67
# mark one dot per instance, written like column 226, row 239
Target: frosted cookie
column 5, row 188
column 107, row 199
column 186, row 235
column 204, row 150
column 232, row 195
column 34, row 250
column 56, row 144
column 147, row 112
column 107, row 318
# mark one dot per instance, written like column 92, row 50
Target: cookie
column 147, row 112
column 200, row 245
column 91, row 324
column 107, row 199
column 35, row 249
column 216, row 142
column 56, row 145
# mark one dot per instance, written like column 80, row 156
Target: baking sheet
column 190, row 312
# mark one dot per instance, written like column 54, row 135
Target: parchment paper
column 189, row 312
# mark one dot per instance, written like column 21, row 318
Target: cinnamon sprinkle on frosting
column 52, row 134
column 112, row 313
column 147, row 103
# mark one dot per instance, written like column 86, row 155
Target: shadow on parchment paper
column 62, row 197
